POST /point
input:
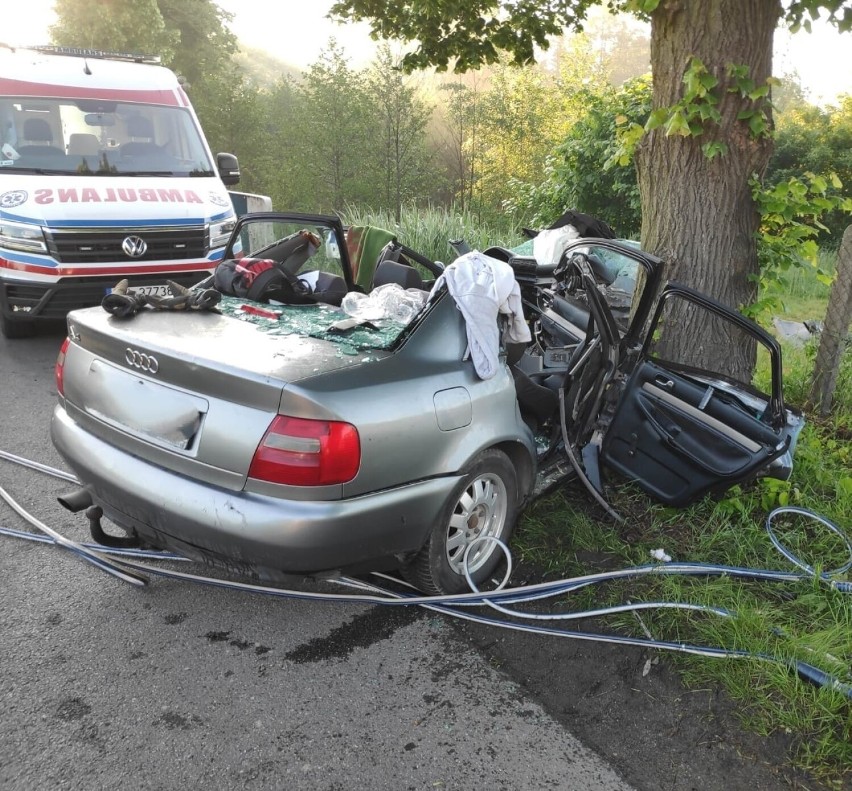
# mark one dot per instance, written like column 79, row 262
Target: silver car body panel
column 259, row 531
column 167, row 450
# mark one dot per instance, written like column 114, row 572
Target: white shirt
column 482, row 288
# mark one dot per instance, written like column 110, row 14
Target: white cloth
column 483, row 287
column 549, row 245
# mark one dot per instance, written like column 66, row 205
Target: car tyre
column 484, row 503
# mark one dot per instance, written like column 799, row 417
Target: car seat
column 83, row 145
column 38, row 137
column 395, row 272
column 140, row 130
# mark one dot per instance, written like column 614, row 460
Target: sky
column 296, row 31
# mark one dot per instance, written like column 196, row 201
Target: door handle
column 666, row 384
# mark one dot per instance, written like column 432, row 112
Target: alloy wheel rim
column 480, row 511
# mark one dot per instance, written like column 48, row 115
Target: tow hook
column 94, row 514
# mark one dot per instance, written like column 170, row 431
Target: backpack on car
column 265, row 279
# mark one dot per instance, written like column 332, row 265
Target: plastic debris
column 390, row 301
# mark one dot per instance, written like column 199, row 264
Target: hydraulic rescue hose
column 457, row 605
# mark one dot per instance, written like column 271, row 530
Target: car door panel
column 679, row 441
column 681, row 432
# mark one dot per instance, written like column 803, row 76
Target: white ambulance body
column 104, row 174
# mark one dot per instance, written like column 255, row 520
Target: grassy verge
column 564, row 535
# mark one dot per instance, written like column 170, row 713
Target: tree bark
column 832, row 344
column 698, row 213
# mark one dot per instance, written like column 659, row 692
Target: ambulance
column 104, row 175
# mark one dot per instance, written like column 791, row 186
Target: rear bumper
column 243, row 529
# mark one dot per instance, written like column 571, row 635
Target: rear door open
column 681, row 432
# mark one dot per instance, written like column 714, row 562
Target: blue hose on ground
column 457, row 605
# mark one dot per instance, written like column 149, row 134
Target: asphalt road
column 179, row 686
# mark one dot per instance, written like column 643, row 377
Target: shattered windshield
column 87, row 137
column 314, row 250
column 325, row 322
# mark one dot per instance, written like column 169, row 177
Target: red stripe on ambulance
column 20, row 88
column 155, row 267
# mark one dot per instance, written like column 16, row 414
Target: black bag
column 585, row 224
column 260, row 279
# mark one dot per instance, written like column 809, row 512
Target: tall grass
column 429, row 230
column 804, row 295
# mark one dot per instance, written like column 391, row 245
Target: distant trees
column 403, row 162
column 512, row 146
column 338, row 136
column 583, row 171
column 137, row 27
column 817, row 140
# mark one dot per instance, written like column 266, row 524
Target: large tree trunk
column 835, row 334
column 697, row 212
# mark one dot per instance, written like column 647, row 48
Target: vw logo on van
column 134, row 246
column 142, row 361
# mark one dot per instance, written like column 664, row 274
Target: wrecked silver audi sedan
column 316, row 428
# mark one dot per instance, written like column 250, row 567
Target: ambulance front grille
column 104, row 245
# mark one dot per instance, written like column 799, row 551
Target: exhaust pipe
column 76, row 501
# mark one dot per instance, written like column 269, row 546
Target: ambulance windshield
column 99, row 138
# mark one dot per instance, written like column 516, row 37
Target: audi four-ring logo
column 142, row 361
column 134, row 246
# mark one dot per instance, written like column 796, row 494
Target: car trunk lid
column 196, row 391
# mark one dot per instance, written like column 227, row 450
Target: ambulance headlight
column 18, row 236
column 220, row 232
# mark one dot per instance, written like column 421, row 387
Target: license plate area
column 158, row 290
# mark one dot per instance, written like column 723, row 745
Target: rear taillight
column 303, row 452
column 59, row 368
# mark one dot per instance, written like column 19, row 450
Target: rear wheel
column 484, row 504
column 16, row 328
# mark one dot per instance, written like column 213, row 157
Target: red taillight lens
column 303, row 452
column 59, row 368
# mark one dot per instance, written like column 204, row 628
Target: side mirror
column 229, row 169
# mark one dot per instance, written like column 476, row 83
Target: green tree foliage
column 522, row 120
column 791, row 213
column 584, row 172
column 333, row 125
column 232, row 113
column 459, row 138
column 400, row 152
column 710, row 127
column 813, row 139
column 501, row 124
column 205, row 43
column 468, row 33
column 275, row 168
column 137, row 26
